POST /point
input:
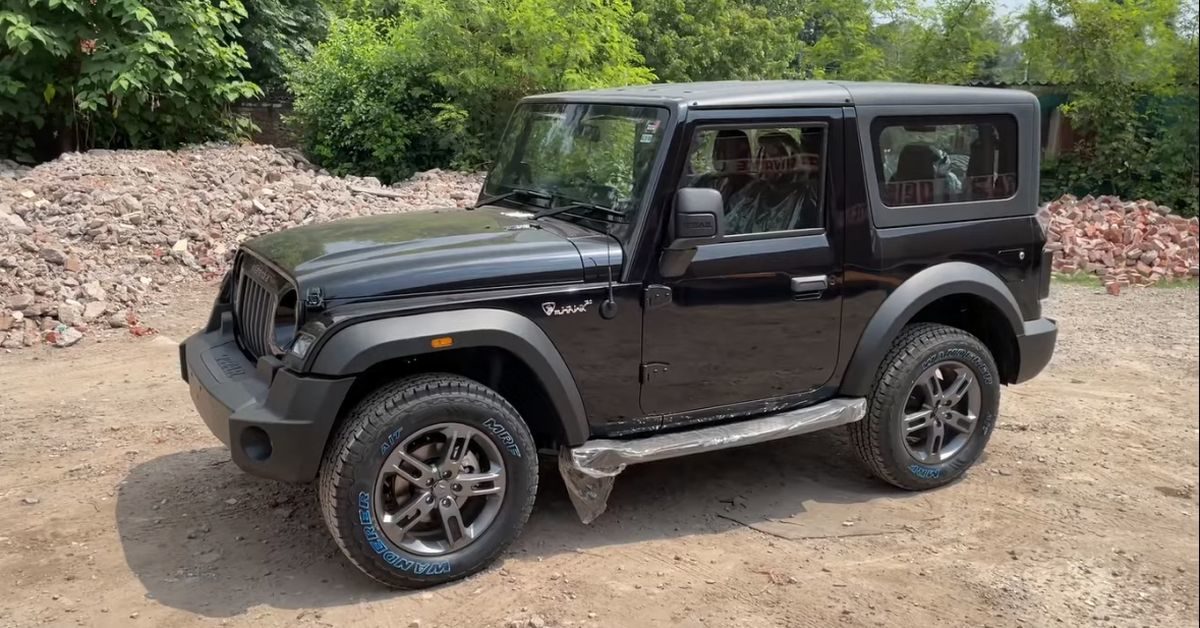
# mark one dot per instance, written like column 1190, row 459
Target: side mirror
column 699, row 218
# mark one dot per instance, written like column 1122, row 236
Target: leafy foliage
column 951, row 41
column 407, row 84
column 1134, row 99
column 704, row 40
column 434, row 84
column 363, row 105
column 275, row 29
column 82, row 73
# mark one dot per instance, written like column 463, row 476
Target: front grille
column 254, row 307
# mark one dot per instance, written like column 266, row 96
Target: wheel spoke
column 475, row 484
column 457, row 534
column 932, row 385
column 457, row 442
column 962, row 422
column 420, row 505
column 959, row 387
column 412, row 469
column 915, row 421
column 934, row 441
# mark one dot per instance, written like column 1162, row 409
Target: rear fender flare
column 359, row 346
column 911, row 297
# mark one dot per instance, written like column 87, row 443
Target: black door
column 757, row 315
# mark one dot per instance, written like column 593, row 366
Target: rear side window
column 932, row 160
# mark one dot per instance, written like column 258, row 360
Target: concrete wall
column 269, row 118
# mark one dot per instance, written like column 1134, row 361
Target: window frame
column 667, row 121
column 879, row 124
column 701, row 127
column 1023, row 202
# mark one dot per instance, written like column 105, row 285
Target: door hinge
column 653, row 369
column 656, row 296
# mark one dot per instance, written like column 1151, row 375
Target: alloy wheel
column 941, row 412
column 439, row 489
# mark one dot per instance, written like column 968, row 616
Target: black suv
column 649, row 272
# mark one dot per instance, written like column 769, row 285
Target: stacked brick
column 1123, row 242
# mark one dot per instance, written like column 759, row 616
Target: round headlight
column 283, row 327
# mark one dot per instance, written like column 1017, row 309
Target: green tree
column 1133, row 99
column 434, row 85
column 704, row 40
column 365, row 106
column 685, row 40
column 837, row 35
column 275, row 29
column 950, row 41
column 83, row 73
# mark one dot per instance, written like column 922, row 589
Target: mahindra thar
column 648, row 272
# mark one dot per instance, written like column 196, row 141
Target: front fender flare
column 911, row 297
column 359, row 346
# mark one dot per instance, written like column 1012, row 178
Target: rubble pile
column 1124, row 242
column 87, row 238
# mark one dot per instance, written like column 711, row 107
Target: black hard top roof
column 720, row 94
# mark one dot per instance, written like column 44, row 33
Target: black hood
column 422, row 252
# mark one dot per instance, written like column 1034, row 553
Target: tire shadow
column 204, row 537
column 806, row 487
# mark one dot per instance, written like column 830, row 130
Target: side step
column 590, row 469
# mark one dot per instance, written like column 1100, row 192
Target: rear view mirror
column 699, row 218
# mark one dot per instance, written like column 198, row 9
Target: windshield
column 599, row 155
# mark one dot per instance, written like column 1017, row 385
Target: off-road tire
column 878, row 440
column 360, row 445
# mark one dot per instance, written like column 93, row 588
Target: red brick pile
column 1124, row 242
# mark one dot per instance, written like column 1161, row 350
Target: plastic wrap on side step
column 590, row 469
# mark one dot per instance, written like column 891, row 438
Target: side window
column 772, row 179
column 932, row 160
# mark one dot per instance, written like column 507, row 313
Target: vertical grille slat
column 264, row 329
column 254, row 320
column 260, row 318
column 253, row 310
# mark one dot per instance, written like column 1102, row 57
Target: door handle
column 812, row 283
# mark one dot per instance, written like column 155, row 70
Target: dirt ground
column 117, row 507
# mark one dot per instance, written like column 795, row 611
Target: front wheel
column 931, row 410
column 428, row 480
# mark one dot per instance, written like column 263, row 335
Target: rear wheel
column 931, row 410
column 428, row 479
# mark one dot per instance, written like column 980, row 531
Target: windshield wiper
column 511, row 193
column 551, row 211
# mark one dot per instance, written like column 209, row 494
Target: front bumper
column 1036, row 345
column 274, row 422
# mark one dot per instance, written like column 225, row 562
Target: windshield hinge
column 656, row 296
column 314, row 299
